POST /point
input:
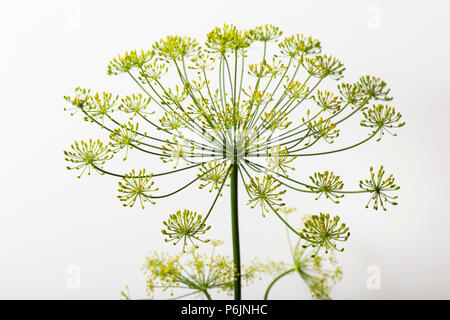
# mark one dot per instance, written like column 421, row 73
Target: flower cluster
column 195, row 273
column 87, row 155
column 382, row 118
column 219, row 127
column 136, row 186
column 374, row 88
column 213, row 173
column 323, row 231
column 185, row 226
column 320, row 273
column 128, row 61
column 124, row 137
column 278, row 159
column 327, row 101
column 263, row 192
column 327, row 184
column 175, row 47
column 379, row 188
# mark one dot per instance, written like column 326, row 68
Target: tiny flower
column 136, row 186
column 275, row 119
column 324, row 66
column 296, row 90
column 327, row 184
column 174, row 151
column 263, row 69
column 202, row 61
column 382, row 118
column 265, row 33
column 99, row 106
column 175, row 48
column 124, row 137
column 78, row 101
column 87, row 155
column 299, row 46
column 184, row 226
column 136, row 104
column 324, row 129
column 323, row 231
column 128, row 61
column 379, row 188
column 175, row 96
column 264, row 193
column 152, row 71
column 278, row 159
column 320, row 273
column 227, row 38
column 351, row 93
column 374, row 88
column 212, row 173
column 173, row 121
column 256, row 97
column 327, row 101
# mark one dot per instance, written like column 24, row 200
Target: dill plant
column 238, row 124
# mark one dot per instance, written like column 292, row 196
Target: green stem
column 235, row 230
column 266, row 295
column 207, row 295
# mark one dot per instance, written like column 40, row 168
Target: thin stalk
column 207, row 294
column 235, row 230
column 266, row 295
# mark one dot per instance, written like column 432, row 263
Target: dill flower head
column 245, row 107
column 382, row 118
column 195, row 273
column 265, row 33
column 324, row 231
column 278, row 159
column 319, row 272
column 263, row 192
column 327, row 101
column 128, row 61
column 214, row 120
column 380, row 188
column 124, row 137
column 136, row 104
column 212, row 173
column 374, row 88
column 327, row 184
column 185, row 226
column 136, row 186
column 87, row 156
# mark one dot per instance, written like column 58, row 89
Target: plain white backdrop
column 54, row 226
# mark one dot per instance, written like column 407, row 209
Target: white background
column 50, row 221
